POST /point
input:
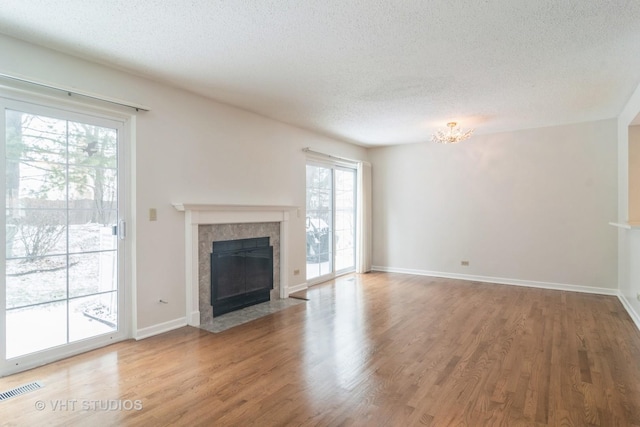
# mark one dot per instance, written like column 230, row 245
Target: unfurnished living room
column 320, row 213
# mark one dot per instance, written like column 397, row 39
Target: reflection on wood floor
column 375, row 349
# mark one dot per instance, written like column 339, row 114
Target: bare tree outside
column 78, row 160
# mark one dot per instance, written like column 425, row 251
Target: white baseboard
column 195, row 318
column 528, row 283
column 502, row 281
column 632, row 313
column 160, row 328
column 297, row 288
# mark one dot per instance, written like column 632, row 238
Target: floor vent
column 20, row 390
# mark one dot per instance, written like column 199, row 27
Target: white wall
column 527, row 207
column 188, row 149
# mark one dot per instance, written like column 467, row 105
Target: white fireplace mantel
column 201, row 213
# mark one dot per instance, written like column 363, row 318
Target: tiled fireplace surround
column 209, row 233
column 205, row 223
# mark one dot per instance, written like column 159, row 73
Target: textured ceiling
column 367, row 71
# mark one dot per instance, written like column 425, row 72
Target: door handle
column 122, row 229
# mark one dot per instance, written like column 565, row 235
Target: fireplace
column 241, row 273
column 208, row 234
column 198, row 238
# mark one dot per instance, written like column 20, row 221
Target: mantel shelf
column 626, row 225
column 204, row 207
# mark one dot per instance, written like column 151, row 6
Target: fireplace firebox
column 241, row 273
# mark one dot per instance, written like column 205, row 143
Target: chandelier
column 451, row 136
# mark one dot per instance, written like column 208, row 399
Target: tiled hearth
column 247, row 314
column 209, row 233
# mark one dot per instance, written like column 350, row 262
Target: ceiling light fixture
column 451, row 136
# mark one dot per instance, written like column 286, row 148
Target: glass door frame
column 333, row 165
column 353, row 170
column 91, row 115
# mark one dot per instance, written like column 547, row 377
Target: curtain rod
column 309, row 150
column 70, row 92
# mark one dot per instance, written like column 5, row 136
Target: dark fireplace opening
column 241, row 273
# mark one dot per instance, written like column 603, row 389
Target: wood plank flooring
column 366, row 350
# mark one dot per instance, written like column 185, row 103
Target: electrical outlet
column 153, row 214
column 296, row 272
column 464, row 263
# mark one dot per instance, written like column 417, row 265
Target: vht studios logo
column 89, row 405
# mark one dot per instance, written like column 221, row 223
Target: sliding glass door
column 62, row 270
column 319, row 221
column 345, row 219
column 330, row 221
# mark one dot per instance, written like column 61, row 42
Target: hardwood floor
column 376, row 349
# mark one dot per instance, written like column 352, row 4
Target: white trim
column 632, row 313
column 502, row 281
column 131, row 259
column 298, row 288
column 160, row 328
column 626, row 225
column 327, row 162
column 194, row 318
column 620, row 225
column 40, row 358
column 206, row 214
column 207, row 207
column 69, row 91
column 330, row 276
column 330, row 159
column 4, row 367
column 364, row 219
